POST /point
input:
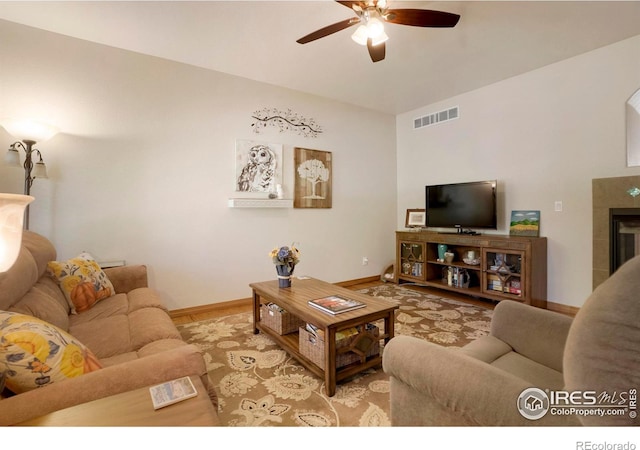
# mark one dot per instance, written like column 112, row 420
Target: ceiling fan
column 371, row 15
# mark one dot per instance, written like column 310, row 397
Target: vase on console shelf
column 442, row 249
column 448, row 257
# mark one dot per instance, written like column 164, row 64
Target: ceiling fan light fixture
column 375, row 28
column 361, row 35
column 379, row 39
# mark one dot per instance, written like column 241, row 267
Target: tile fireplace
column 616, row 224
column 624, row 242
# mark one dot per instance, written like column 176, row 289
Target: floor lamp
column 12, row 212
column 28, row 132
column 12, row 208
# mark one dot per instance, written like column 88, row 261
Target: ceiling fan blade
column 376, row 52
column 422, row 18
column 350, row 4
column 330, row 29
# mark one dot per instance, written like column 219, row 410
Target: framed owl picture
column 258, row 166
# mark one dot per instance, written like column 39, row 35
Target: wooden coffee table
column 294, row 299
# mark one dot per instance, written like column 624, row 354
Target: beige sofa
column 481, row 383
column 130, row 333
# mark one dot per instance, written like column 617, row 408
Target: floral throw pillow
column 34, row 353
column 82, row 280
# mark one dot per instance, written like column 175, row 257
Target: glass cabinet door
column 503, row 273
column 412, row 258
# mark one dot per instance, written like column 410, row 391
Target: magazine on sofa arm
column 171, row 392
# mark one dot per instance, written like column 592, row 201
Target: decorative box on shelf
column 260, row 203
column 279, row 320
column 352, row 345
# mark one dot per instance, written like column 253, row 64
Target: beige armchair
column 481, row 383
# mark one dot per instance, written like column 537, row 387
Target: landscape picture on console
column 525, row 223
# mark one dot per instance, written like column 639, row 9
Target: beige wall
column 145, row 164
column 544, row 136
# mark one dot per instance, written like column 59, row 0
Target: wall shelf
column 260, row 203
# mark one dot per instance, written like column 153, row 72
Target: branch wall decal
column 285, row 121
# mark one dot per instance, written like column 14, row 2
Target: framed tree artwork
column 313, row 176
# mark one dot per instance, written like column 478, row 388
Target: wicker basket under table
column 282, row 322
column 312, row 347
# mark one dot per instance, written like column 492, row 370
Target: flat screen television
column 462, row 205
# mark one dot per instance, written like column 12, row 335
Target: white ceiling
column 257, row 40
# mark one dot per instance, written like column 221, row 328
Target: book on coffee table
column 335, row 304
column 171, row 392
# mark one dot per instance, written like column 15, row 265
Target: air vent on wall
column 436, row 117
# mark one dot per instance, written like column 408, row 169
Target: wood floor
column 245, row 305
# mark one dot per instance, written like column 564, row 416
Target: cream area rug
column 259, row 384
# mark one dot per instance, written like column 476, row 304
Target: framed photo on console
column 416, row 218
